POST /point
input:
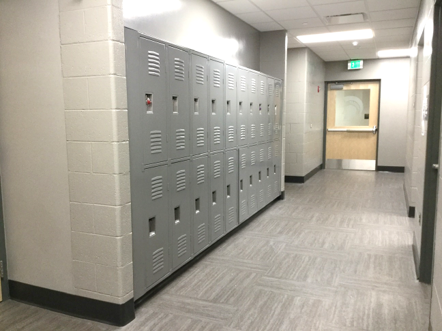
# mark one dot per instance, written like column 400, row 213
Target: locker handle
column 214, row 197
column 251, row 108
column 175, row 104
column 241, row 185
column 149, row 101
column 259, row 176
column 196, row 105
column 177, row 214
column 268, row 172
column 228, row 107
column 214, row 106
column 152, row 226
column 228, row 191
column 197, row 205
column 240, row 107
column 251, row 180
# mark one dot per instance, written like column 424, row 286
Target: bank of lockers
column 205, row 152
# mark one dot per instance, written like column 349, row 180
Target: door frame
column 324, row 143
column 429, row 207
column 4, row 280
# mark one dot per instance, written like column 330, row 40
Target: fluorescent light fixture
column 336, row 36
column 408, row 52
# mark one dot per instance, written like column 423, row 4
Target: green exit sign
column 355, row 64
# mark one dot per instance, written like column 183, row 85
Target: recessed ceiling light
column 336, row 36
column 355, row 43
column 397, row 52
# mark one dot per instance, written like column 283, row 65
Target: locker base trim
column 73, row 305
column 303, row 179
column 282, row 196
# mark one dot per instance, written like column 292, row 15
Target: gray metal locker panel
column 269, row 173
column 271, row 108
column 152, row 79
column 261, row 178
column 199, row 105
column 231, row 106
column 231, row 190
column 253, row 179
column 179, row 212
column 253, row 108
column 200, row 203
column 278, row 110
column 216, row 196
column 243, row 107
column 216, row 105
column 276, row 168
column 178, row 103
column 263, row 109
column 243, row 184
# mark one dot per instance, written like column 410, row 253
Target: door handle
column 375, row 129
column 435, row 166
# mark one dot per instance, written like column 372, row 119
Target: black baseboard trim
column 105, row 312
column 411, row 212
column 391, row 169
column 303, row 179
column 430, row 327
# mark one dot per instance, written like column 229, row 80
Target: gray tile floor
column 335, row 255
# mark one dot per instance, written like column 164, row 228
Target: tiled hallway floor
column 334, row 255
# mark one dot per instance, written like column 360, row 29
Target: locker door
column 156, row 225
column 152, row 78
column 278, row 109
column 269, row 173
column 179, row 212
column 199, row 104
column 262, row 109
column 231, row 107
column 216, row 196
column 243, row 107
column 270, row 108
column 178, row 103
column 276, row 168
column 216, row 104
column 200, row 204
column 243, row 184
column 231, row 189
column 253, row 108
column 253, row 180
column 261, row 177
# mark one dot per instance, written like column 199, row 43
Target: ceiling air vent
column 345, row 19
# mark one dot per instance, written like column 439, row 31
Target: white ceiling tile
column 258, row 17
column 300, row 32
column 378, row 5
column 238, row 6
column 390, row 44
column 393, row 14
column 393, row 32
column 302, row 23
column 292, row 13
column 325, row 2
column 348, row 27
column 279, row 4
column 352, row 7
column 366, row 53
column 367, row 43
column 409, row 22
column 323, row 47
column 269, row 26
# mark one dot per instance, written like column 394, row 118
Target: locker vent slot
column 217, row 169
column 231, row 81
column 217, row 135
column 216, row 78
column 200, row 174
column 157, row 260
column 253, row 131
column 231, row 165
column 276, row 151
column 261, row 196
column 262, row 87
column 200, row 137
column 243, row 161
column 244, row 207
column 261, row 130
column 243, row 84
column 261, row 155
column 180, row 136
column 157, row 187
column 182, row 245
column 154, row 64
column 269, row 191
column 243, row 132
column 231, row 215
column 277, row 92
column 231, row 134
column 269, row 153
column 270, row 89
column 252, row 158
column 269, row 130
column 181, row 180
column 201, row 233
column 252, row 202
column 199, row 75
column 217, row 223
column 253, row 86
column 179, row 69
column 155, row 142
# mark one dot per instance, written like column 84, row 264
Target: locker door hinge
column 1, row 270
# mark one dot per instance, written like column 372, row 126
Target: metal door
column 199, row 105
column 217, row 107
column 216, row 194
column 178, row 103
column 243, row 186
column 200, row 203
column 262, row 108
column 270, row 108
column 243, row 107
column 269, row 173
column 231, row 107
column 231, row 190
column 253, row 179
column 253, row 108
column 261, row 176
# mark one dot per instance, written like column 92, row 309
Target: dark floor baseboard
column 302, row 179
column 391, row 169
column 430, row 327
column 73, row 305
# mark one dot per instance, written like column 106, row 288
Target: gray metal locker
column 199, row 104
column 200, row 203
column 253, row 179
column 216, row 196
column 243, row 184
column 276, row 168
column 178, row 103
column 243, row 107
column 216, row 106
column 231, row 190
column 261, row 177
column 179, row 212
column 152, row 80
column 263, row 109
column 269, row 173
column 253, row 108
column 270, row 108
column 231, row 106
column 278, row 110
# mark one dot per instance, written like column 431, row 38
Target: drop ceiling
column 392, row 21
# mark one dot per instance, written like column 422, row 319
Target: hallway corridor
column 335, row 255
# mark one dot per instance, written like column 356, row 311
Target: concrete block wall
column 94, row 86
